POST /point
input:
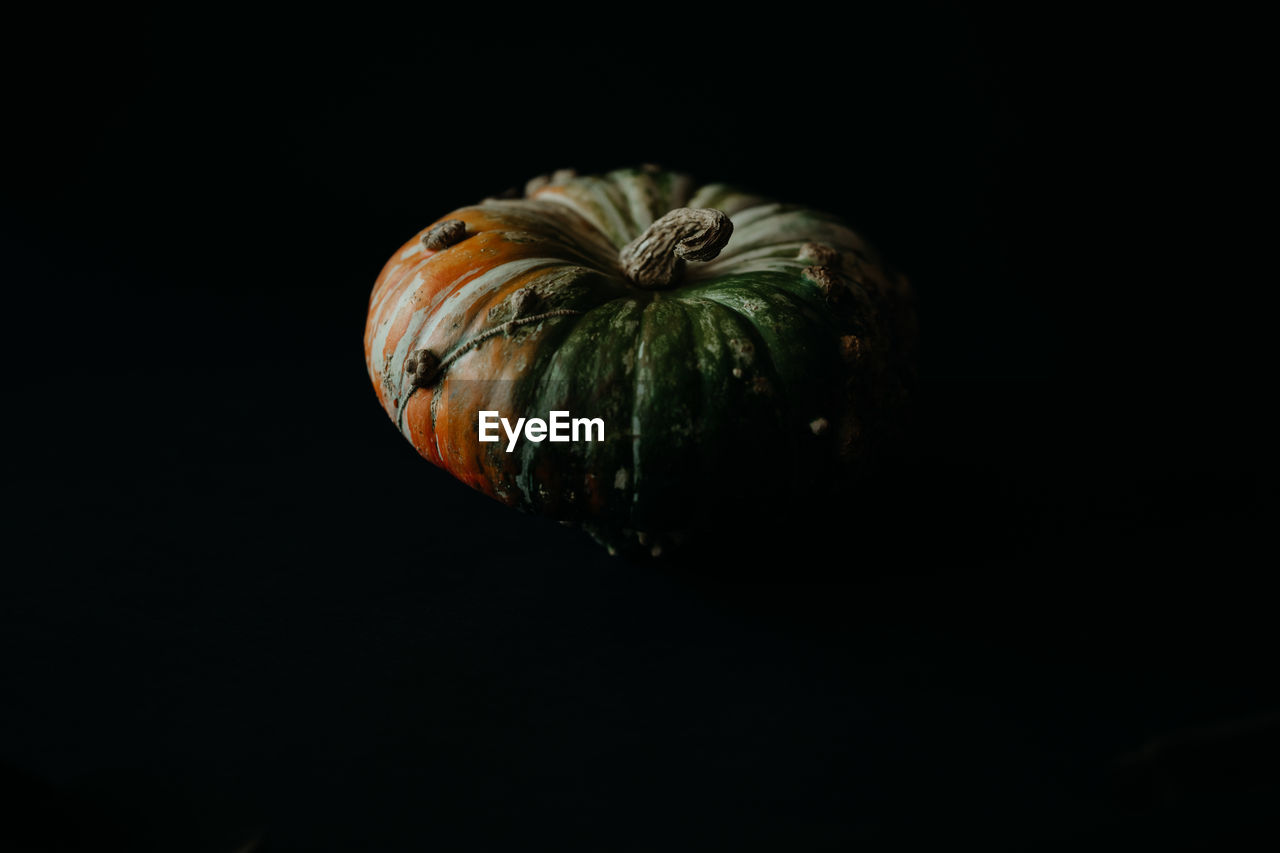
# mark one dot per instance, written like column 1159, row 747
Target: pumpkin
column 740, row 352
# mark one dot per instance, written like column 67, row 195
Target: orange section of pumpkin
column 438, row 275
column 442, row 422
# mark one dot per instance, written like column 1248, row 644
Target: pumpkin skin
column 759, row 378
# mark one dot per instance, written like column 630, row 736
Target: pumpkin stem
column 656, row 258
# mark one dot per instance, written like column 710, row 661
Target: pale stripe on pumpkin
column 423, row 332
column 551, row 220
column 645, row 200
column 595, row 201
column 789, row 227
column 409, row 290
column 724, row 197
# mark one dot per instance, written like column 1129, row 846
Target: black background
column 238, row 606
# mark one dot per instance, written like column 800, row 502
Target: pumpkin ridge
column 773, row 340
column 758, row 390
column 607, row 219
column 645, row 200
column 556, row 381
column 794, row 225
column 643, row 381
column 465, row 291
column 517, row 215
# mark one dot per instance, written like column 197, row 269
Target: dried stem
column 656, row 258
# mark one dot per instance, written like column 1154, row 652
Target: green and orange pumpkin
column 741, row 352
